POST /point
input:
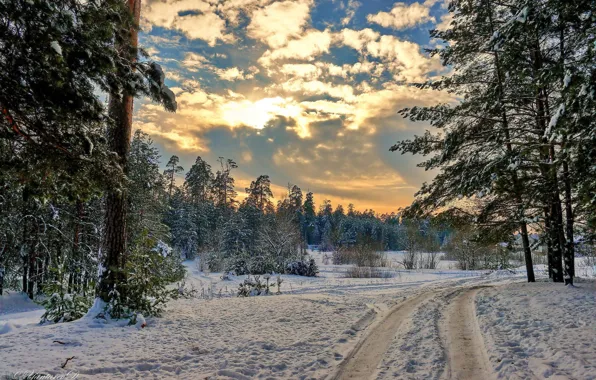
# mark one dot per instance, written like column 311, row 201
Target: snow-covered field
column 417, row 324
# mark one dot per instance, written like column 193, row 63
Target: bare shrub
column 430, row 260
column 421, row 243
column 369, row 272
column 410, row 260
column 362, row 254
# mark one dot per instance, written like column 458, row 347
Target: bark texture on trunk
column 114, row 245
column 527, row 252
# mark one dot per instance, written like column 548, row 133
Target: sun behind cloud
column 305, row 91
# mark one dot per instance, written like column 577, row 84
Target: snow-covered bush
column 185, row 291
column 238, row 265
column 61, row 304
column 303, row 268
column 212, row 261
column 148, row 271
column 253, row 286
column 261, row 265
column 64, row 307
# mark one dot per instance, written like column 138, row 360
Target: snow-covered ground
column 16, row 311
column 414, row 323
column 540, row 330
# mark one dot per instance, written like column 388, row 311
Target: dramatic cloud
column 403, row 16
column 290, row 89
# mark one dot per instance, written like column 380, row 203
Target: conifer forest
column 297, row 189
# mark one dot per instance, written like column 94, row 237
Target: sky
column 305, row 91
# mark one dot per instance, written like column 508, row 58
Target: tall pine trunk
column 517, row 186
column 569, row 255
column 548, row 171
column 114, row 245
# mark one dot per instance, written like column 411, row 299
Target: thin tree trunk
column 39, row 264
column 25, row 273
column 569, row 257
column 549, row 245
column 70, row 281
column 120, row 110
column 31, row 271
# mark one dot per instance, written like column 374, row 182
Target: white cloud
column 445, row 21
column 301, row 70
column 403, row 58
column 194, row 61
column 208, row 27
column 233, row 73
column 356, row 39
column 316, row 87
column 350, row 11
column 165, row 14
column 310, row 45
column 201, row 22
column 402, row 16
column 280, row 21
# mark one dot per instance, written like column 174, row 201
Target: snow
column 554, row 119
column 567, row 80
column 141, row 323
column 16, row 311
column 306, row 332
column 540, row 330
column 56, row 47
column 522, row 16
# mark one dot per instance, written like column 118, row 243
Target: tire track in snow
column 364, row 359
column 464, row 343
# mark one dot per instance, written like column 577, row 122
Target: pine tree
column 476, row 142
column 259, row 194
column 147, row 189
column 223, row 184
column 172, row 168
column 308, row 225
column 120, row 111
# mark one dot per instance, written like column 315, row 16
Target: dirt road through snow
column 464, row 343
column 465, row 355
column 363, row 362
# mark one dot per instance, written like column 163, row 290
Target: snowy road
column 363, row 362
column 464, row 343
column 462, row 340
column 420, row 325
